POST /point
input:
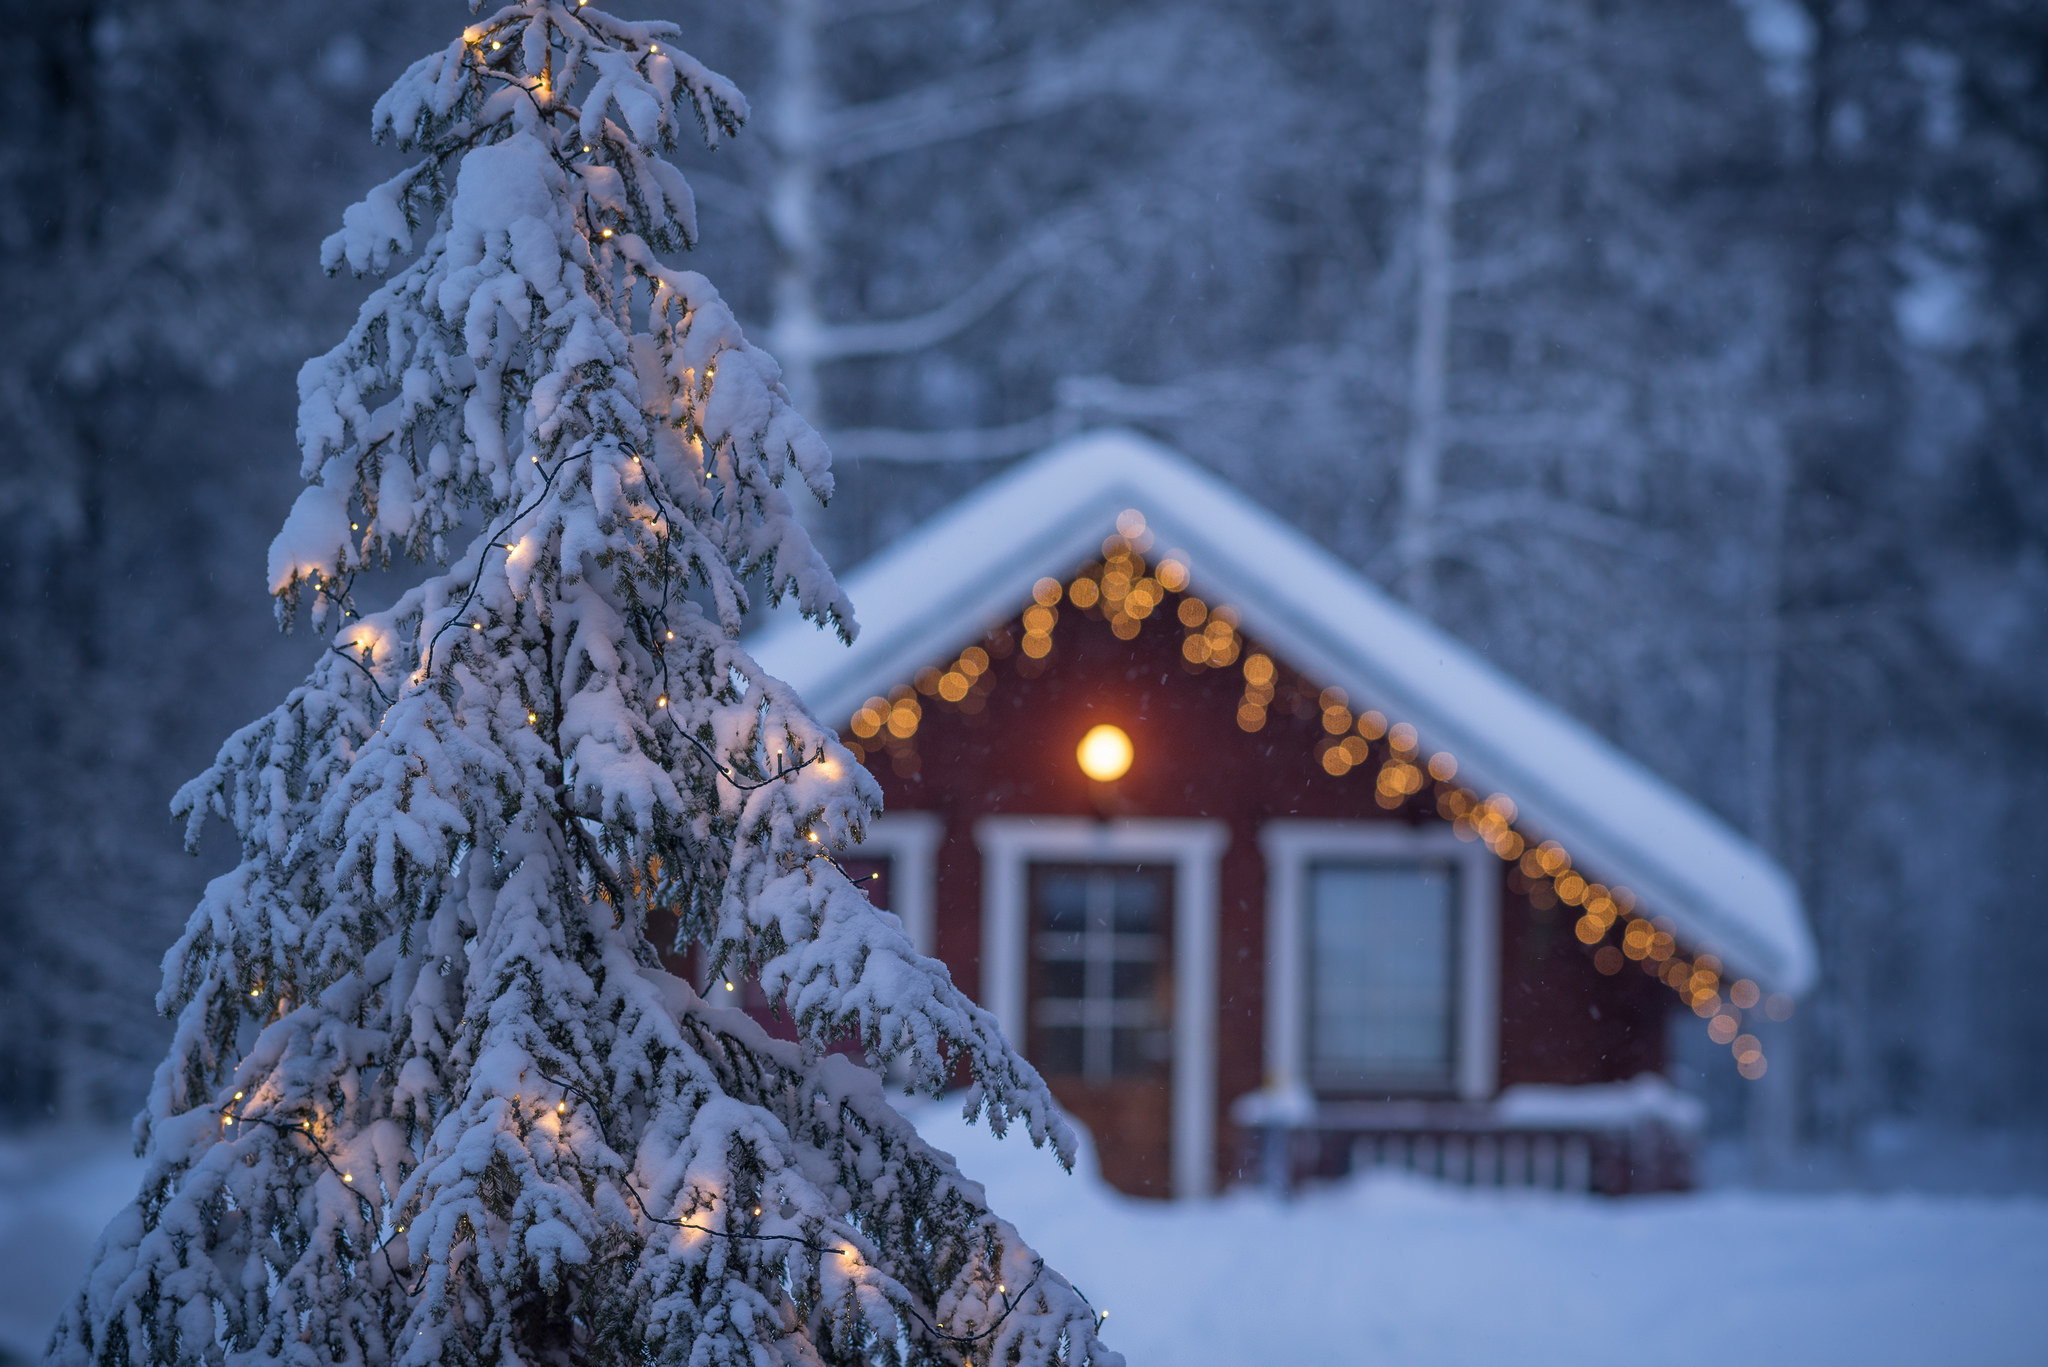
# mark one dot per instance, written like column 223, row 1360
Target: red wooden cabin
column 1338, row 893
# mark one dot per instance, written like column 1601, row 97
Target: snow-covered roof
column 940, row 587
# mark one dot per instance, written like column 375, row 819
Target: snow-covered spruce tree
column 432, row 1098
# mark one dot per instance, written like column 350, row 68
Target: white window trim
column 1194, row 848
column 910, row 842
column 1290, row 847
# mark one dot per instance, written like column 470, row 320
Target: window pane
column 1136, row 901
column 1130, row 979
column 1065, row 978
column 1063, row 899
column 1059, row 1050
column 1380, row 982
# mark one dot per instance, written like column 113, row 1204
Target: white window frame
column 1010, row 844
column 910, row 842
column 1291, row 849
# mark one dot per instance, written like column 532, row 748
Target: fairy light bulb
column 661, row 701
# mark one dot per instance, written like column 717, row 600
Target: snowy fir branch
column 432, row 1096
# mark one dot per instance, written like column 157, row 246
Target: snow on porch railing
column 1613, row 1138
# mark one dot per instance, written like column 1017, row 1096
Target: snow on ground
column 58, row 1189
column 1397, row 1271
column 1380, row 1271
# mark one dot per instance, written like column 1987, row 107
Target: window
column 1381, row 960
column 1099, row 950
column 1381, row 965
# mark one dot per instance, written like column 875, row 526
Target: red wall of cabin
column 1561, row 1020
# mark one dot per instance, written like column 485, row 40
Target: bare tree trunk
column 1422, row 461
column 1773, row 1099
column 795, row 333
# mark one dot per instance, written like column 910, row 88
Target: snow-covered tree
column 432, row 1097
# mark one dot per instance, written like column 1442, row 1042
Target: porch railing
column 1614, row 1138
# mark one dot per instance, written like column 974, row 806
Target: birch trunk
column 1422, row 460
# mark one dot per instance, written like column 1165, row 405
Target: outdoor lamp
column 1105, row 753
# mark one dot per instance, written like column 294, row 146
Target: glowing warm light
column 1105, row 753
column 1250, row 716
column 1084, row 593
column 661, row 701
column 1372, row 725
column 1130, row 524
column 1743, row 993
column 1442, row 767
column 561, row 1108
column 1193, row 612
column 1258, row 670
column 1402, row 737
column 1336, row 761
column 1722, row 1029
column 1037, row 645
column 1046, row 592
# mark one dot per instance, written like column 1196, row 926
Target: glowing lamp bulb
column 1105, row 753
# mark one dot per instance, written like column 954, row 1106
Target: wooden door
column 1100, row 986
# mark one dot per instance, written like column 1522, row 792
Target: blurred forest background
column 1688, row 359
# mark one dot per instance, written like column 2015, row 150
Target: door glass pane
column 1381, row 950
column 1097, row 944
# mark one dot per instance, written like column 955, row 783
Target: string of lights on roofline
column 1124, row 591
